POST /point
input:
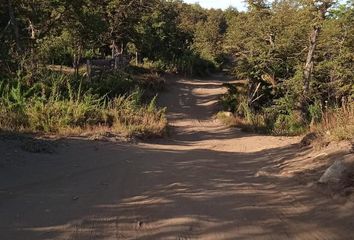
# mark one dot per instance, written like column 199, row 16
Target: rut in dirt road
column 201, row 182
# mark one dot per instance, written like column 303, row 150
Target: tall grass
column 65, row 107
column 245, row 119
column 338, row 123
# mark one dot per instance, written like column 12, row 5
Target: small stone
column 139, row 224
column 228, row 114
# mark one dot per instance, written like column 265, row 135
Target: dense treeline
column 63, row 32
column 296, row 58
column 45, row 43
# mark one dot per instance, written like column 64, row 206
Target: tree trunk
column 5, row 29
column 14, row 26
column 321, row 11
column 309, row 60
column 302, row 111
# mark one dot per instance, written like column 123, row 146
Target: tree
column 319, row 8
column 209, row 36
column 334, row 75
column 14, row 25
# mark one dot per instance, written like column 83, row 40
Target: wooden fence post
column 116, row 59
column 88, row 69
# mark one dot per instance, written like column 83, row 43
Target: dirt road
column 201, row 182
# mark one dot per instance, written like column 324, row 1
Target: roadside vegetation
column 337, row 124
column 46, row 86
column 60, row 105
column 295, row 60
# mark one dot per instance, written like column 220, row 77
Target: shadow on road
column 134, row 192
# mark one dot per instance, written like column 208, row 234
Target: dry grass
column 255, row 123
column 140, row 122
column 65, row 69
column 337, row 124
column 74, row 112
column 229, row 120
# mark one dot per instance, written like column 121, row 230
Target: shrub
column 288, row 124
column 193, row 65
column 112, row 84
column 279, row 119
column 316, row 113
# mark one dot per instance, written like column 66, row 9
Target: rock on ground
column 340, row 172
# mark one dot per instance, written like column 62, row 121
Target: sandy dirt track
column 201, row 182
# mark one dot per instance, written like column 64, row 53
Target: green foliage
column 288, row 124
column 133, row 119
column 208, row 37
column 191, row 64
column 268, row 45
column 316, row 112
column 279, row 119
column 56, row 49
column 171, row 34
column 113, row 84
column 230, row 101
column 62, row 107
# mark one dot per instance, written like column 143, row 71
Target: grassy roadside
column 57, row 103
column 335, row 124
column 330, row 122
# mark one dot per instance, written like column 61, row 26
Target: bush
column 187, row 63
column 288, row 124
column 316, row 113
column 282, row 118
column 279, row 119
column 230, row 100
column 112, row 84
column 193, row 65
column 56, row 49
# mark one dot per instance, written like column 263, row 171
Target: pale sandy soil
column 203, row 181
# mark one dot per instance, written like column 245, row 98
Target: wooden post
column 88, row 69
column 116, row 59
column 113, row 46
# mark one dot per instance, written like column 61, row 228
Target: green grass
column 61, row 106
column 336, row 124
